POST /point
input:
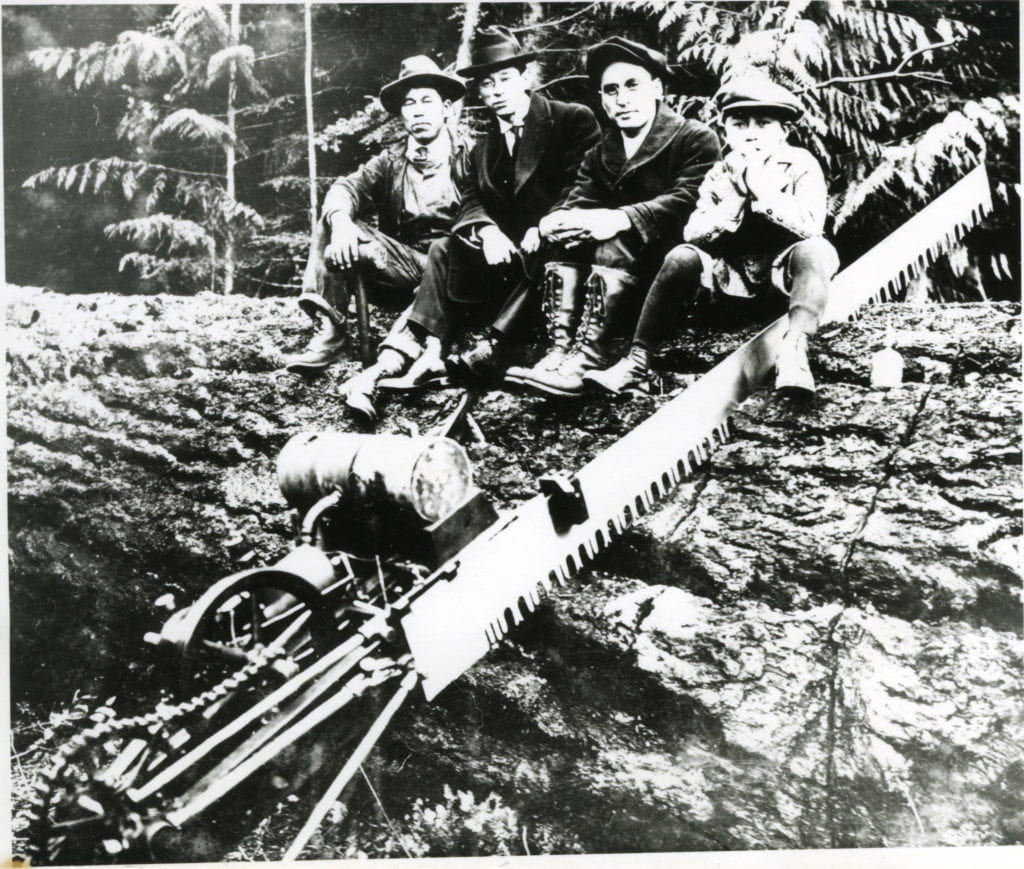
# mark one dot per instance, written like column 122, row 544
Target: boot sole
column 545, row 388
column 399, row 384
column 300, row 367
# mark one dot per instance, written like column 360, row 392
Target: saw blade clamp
column 566, row 503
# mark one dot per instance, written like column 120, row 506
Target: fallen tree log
column 814, row 642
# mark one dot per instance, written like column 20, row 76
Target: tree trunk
column 229, row 151
column 814, row 639
column 310, row 128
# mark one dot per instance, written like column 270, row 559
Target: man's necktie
column 517, row 135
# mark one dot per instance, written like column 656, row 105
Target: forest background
column 153, row 148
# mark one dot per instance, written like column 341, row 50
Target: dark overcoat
column 555, row 137
column 657, row 187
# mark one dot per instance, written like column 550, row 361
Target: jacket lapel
column 397, row 186
column 663, row 130
column 536, row 128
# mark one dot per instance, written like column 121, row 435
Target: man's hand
column 342, row 252
column 765, row 179
column 531, row 240
column 573, row 226
column 497, row 247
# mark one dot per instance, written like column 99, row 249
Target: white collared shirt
column 631, row 144
column 507, row 128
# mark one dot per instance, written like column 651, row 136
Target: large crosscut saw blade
column 496, row 580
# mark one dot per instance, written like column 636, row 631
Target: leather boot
column 607, row 291
column 627, row 376
column 327, row 345
column 792, row 369
column 561, row 301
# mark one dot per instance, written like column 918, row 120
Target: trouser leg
column 675, row 286
column 811, row 266
column 432, row 308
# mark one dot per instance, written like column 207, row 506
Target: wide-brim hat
column 419, row 72
column 495, row 48
column 758, row 92
column 618, row 48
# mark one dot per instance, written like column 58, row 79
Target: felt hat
column 419, row 72
column 618, row 48
column 495, row 48
column 758, row 92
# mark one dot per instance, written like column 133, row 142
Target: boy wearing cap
column 626, row 209
column 756, row 234
column 414, row 188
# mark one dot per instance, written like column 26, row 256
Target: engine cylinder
column 430, row 476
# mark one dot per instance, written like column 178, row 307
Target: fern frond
column 241, row 59
column 198, row 23
column 190, row 125
column 163, row 233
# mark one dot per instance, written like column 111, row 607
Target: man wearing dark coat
column 521, row 168
column 413, row 187
column 625, row 211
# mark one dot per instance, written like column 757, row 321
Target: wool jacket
column 555, row 137
column 793, row 198
column 657, row 187
column 379, row 185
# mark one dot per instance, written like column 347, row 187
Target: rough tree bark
column 815, row 641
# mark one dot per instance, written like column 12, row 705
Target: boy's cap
column 618, row 48
column 495, row 48
column 419, row 71
column 756, row 92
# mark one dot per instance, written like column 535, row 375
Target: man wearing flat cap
column 755, row 239
column 414, row 189
column 631, row 199
column 522, row 167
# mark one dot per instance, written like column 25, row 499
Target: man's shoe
column 792, row 369
column 360, row 390
column 485, row 361
column 566, row 379
column 428, row 371
column 627, row 376
column 327, row 346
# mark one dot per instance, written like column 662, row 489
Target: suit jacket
column 657, row 186
column 377, row 184
column 793, row 198
column 555, row 137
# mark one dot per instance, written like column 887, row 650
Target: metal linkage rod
column 349, row 769
column 218, row 782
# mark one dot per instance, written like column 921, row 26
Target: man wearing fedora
column 521, row 168
column 626, row 210
column 414, row 189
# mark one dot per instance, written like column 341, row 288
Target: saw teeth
column 549, row 581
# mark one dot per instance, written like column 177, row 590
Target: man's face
column 423, row 113
column 503, row 91
column 752, row 132
column 629, row 95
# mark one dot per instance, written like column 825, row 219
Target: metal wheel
column 253, row 611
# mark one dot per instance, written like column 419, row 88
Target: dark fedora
column 618, row 48
column 419, row 72
column 757, row 92
column 495, row 48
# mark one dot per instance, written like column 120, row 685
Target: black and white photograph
column 553, row 433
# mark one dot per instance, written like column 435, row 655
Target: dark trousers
column 391, row 269
column 459, row 286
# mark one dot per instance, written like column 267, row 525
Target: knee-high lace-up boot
column 607, row 292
